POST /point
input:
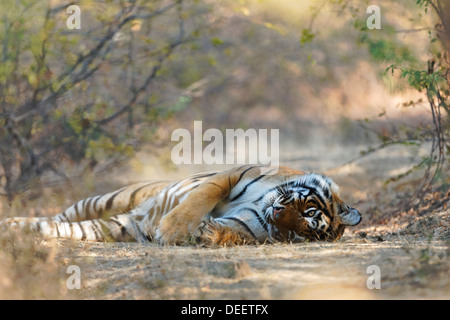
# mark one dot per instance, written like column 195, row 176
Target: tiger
column 244, row 205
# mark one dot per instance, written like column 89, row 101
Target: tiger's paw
column 172, row 231
column 210, row 232
column 206, row 233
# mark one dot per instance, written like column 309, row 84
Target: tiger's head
column 309, row 207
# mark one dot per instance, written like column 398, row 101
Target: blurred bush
column 77, row 100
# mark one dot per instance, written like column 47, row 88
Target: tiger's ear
column 349, row 216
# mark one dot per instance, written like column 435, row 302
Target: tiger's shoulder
column 271, row 173
column 223, row 182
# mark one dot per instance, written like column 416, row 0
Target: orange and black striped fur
column 239, row 206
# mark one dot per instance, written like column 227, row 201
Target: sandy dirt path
column 410, row 268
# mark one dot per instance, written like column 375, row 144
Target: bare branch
column 136, row 95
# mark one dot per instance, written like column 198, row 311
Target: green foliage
column 217, row 41
column 422, row 79
column 307, row 36
column 387, row 50
column 423, row 3
column 429, row 75
column 434, row 82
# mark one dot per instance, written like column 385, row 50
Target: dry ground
column 413, row 254
column 411, row 268
column 412, row 250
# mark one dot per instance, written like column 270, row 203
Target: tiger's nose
column 277, row 212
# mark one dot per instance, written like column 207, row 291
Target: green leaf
column 307, row 36
column 217, row 42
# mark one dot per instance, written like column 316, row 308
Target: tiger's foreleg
column 213, row 232
column 177, row 225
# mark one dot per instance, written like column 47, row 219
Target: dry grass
column 31, row 268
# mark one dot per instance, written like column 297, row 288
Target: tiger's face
column 311, row 208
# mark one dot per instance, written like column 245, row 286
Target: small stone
column 363, row 234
